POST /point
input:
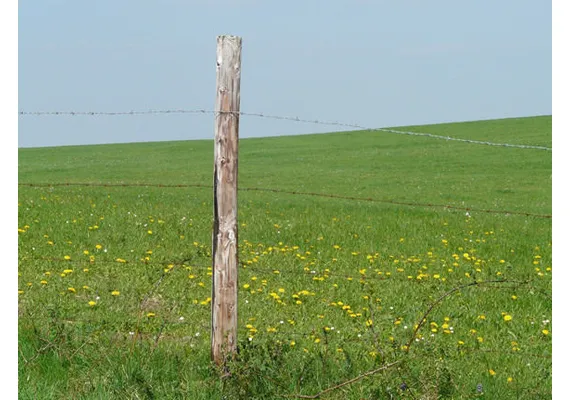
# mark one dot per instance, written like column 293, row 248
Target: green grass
column 300, row 256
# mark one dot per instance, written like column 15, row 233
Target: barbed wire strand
column 177, row 263
column 333, row 196
column 279, row 117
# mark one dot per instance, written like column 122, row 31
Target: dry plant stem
column 442, row 297
column 359, row 377
column 24, row 357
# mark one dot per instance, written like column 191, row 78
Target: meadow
column 114, row 296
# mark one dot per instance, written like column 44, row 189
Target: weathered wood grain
column 225, row 232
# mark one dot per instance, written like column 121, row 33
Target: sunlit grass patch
column 115, row 283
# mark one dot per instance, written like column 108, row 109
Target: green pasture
column 114, row 295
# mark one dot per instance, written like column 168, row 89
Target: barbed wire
column 278, row 117
column 290, row 192
column 115, row 113
column 121, row 184
column 177, row 263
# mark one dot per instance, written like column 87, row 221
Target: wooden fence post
column 225, row 232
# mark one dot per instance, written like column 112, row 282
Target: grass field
column 115, row 285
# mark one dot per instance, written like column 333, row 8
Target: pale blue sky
column 373, row 63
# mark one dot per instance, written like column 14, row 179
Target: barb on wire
column 333, row 196
column 279, row 117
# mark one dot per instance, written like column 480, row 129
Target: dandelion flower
column 92, row 303
column 507, row 317
column 115, row 293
